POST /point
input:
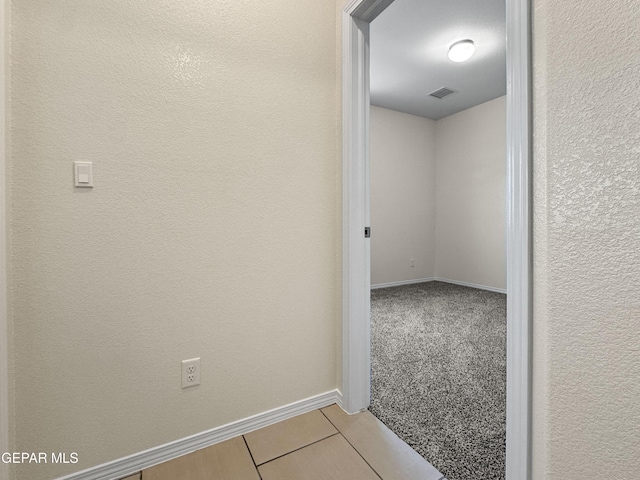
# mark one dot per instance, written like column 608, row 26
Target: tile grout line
column 300, row 448
column 251, row 455
column 352, row 446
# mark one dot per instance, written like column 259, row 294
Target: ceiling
column 409, row 43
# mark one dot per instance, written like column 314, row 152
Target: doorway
column 438, row 175
column 356, row 250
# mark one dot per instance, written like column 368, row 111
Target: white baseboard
column 438, row 279
column 122, row 467
column 402, row 282
column 472, row 285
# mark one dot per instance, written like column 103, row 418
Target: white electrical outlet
column 413, row 263
column 190, row 372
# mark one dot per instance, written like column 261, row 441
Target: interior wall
column 587, row 240
column 338, row 16
column 6, row 403
column 438, row 196
column 211, row 230
column 403, row 164
column 471, row 197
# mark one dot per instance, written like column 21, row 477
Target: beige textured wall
column 402, row 155
column 587, row 239
column 470, row 195
column 6, row 403
column 457, row 163
column 211, row 230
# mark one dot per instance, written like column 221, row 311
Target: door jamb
column 356, row 385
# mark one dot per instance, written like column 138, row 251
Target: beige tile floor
column 325, row 444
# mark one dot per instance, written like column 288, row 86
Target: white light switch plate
column 83, row 174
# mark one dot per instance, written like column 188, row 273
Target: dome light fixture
column 461, row 50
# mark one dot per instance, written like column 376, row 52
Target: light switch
column 83, row 174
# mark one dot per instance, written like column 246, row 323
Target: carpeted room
column 438, row 303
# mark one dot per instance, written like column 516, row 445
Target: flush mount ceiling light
column 461, row 51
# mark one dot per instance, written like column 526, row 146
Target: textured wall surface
column 403, row 196
column 587, row 240
column 211, row 230
column 438, row 196
column 470, row 195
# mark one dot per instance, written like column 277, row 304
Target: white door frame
column 4, row 328
column 356, row 362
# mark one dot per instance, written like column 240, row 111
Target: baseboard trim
column 472, row 285
column 401, row 282
column 438, row 279
column 131, row 464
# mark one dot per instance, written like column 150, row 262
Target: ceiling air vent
column 442, row 92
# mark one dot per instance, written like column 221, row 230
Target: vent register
column 442, row 92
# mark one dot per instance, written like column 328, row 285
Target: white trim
column 138, row 461
column 367, row 10
column 4, row 327
column 401, row 282
column 356, row 387
column 339, row 399
column 472, row 285
column 356, row 263
column 519, row 244
column 437, row 279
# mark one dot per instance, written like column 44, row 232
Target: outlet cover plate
column 190, row 372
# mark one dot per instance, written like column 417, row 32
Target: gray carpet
column 438, row 374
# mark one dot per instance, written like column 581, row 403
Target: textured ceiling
column 409, row 45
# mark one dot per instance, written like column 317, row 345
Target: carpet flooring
column 438, row 374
